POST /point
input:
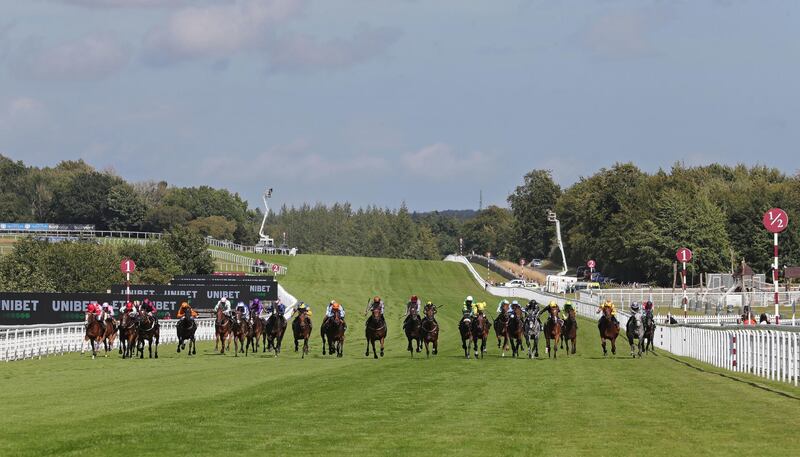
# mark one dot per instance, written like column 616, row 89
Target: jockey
column 466, row 311
column 532, row 308
column 241, row 310
column 95, row 309
column 432, row 307
column 149, row 309
column 334, row 307
column 479, row 308
column 302, row 309
column 504, row 307
column 186, row 310
column 610, row 305
column 128, row 308
column 225, row 305
column 412, row 308
column 515, row 306
column 376, row 303
column 108, row 311
column 648, row 307
column 567, row 309
column 551, row 305
column 256, row 307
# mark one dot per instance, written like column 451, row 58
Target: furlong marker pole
column 685, row 298
column 775, row 280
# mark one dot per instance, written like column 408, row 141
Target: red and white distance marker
column 127, row 266
column 275, row 267
column 591, row 264
column 775, row 220
column 684, row 255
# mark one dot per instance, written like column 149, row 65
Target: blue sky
column 380, row 102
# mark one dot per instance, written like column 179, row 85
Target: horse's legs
column 409, row 349
column 436, row 346
column 464, row 344
column 374, row 353
column 180, row 342
column 419, row 344
column 475, row 346
column 366, row 353
column 614, row 346
column 382, row 341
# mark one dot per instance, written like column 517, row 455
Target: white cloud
column 123, row 3
column 440, row 161
column 22, row 113
column 216, row 30
column 620, row 34
column 294, row 161
column 301, row 52
column 90, row 57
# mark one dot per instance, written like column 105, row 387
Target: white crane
column 551, row 217
column 265, row 242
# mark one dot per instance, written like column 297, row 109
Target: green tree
column 125, row 210
column 214, row 226
column 533, row 234
column 190, row 250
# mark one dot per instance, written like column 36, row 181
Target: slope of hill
column 260, row 405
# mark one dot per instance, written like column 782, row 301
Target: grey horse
column 634, row 329
column 532, row 327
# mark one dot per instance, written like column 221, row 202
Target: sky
column 385, row 102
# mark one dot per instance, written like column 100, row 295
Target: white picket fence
column 763, row 351
column 37, row 341
column 243, row 262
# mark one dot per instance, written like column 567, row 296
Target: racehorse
column 334, row 331
column 515, row 330
column 552, row 331
column 570, row 330
column 413, row 329
column 110, row 335
column 301, row 327
column 430, row 331
column 127, row 335
column 94, row 333
column 375, row 331
column 533, row 327
column 649, row 331
column 240, row 329
column 222, row 329
column 501, row 330
column 634, row 329
column 256, row 332
column 276, row 327
column 480, row 331
column 148, row 330
column 465, row 328
column 608, row 331
column 186, row 328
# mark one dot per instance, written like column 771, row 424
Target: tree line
column 631, row 222
column 86, row 266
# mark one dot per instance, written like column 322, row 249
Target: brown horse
column 608, row 331
column 222, row 330
column 334, row 330
column 552, row 331
column 480, row 331
column 413, row 329
column 240, row 329
column 257, row 326
column 276, row 327
column 110, row 334
column 465, row 328
column 375, row 331
column 570, row 330
column 149, row 331
column 501, row 331
column 301, row 327
column 186, row 328
column 515, row 331
column 127, row 335
column 94, row 333
column 430, row 330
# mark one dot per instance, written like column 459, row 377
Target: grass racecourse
column 265, row 406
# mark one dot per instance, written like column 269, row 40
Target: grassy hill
column 260, row 405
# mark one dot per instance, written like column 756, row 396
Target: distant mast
column 480, row 200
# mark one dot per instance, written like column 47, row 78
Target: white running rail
column 769, row 353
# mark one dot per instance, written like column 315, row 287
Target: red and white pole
column 775, row 280
column 685, row 298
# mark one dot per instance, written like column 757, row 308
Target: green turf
column 221, row 405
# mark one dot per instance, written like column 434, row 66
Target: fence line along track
column 765, row 351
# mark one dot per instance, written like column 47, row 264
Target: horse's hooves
column 366, row 354
column 503, row 354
